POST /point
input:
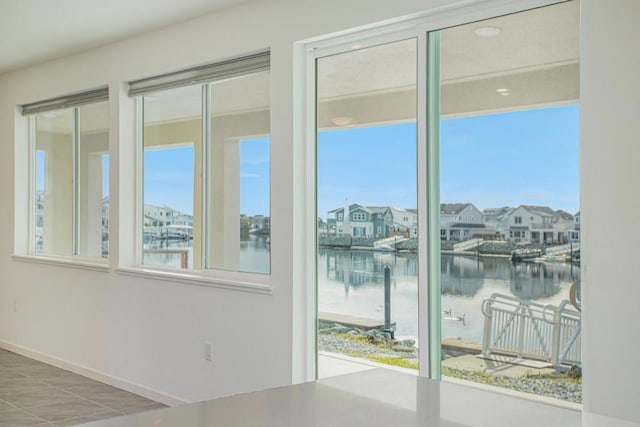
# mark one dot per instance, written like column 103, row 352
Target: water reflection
column 364, row 268
column 254, row 253
column 351, row 282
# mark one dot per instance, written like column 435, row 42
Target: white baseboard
column 111, row 380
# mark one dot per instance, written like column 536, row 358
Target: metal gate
column 528, row 330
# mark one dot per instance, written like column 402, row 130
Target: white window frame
column 30, row 255
column 305, row 364
column 210, row 277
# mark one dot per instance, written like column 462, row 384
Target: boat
column 176, row 232
column 525, row 255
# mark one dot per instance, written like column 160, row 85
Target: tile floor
column 36, row 394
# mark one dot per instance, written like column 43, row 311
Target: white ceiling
column 34, row 31
column 535, row 56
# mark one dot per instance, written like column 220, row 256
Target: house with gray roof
column 405, row 221
column 460, row 221
column 360, row 221
column 539, row 224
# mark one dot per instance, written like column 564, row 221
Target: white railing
column 389, row 241
column 563, row 249
column 528, row 330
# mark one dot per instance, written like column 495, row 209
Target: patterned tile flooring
column 36, row 394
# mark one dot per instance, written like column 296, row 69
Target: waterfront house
column 160, row 216
column 260, row 223
column 405, row 221
column 492, row 217
column 539, row 224
column 460, row 221
column 360, row 221
column 574, row 234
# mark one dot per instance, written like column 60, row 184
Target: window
column 206, row 167
column 359, row 216
column 70, row 176
column 517, row 220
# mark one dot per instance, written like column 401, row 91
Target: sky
column 507, row 159
column 169, row 177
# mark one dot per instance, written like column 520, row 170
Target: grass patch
column 395, row 361
column 355, row 338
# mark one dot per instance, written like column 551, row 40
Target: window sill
column 80, row 263
column 193, row 278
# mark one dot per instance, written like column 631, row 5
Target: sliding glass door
column 367, row 198
column 509, row 199
column 484, row 138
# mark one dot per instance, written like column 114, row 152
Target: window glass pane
column 54, row 183
column 105, row 204
column 41, row 160
column 239, row 222
column 366, row 201
column 509, row 189
column 93, row 178
column 172, row 143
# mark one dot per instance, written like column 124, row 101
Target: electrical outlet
column 208, row 351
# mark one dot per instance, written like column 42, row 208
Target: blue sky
column 507, row 159
column 168, row 177
column 527, row 157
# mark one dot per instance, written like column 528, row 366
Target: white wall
column 151, row 332
column 610, row 206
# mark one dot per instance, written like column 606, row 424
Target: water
column 352, row 282
column 254, row 253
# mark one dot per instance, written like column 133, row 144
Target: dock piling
column 387, row 301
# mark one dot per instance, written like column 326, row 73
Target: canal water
column 254, row 253
column 352, row 282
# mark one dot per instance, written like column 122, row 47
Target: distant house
column 574, row 234
column 159, row 216
column 259, row 222
column 460, row 221
column 322, row 226
column 493, row 217
column 360, row 221
column 539, row 224
column 405, row 221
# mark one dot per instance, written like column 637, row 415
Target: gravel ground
column 336, row 344
column 559, row 388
